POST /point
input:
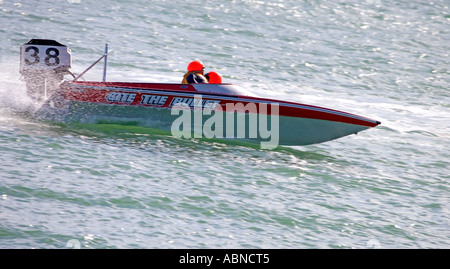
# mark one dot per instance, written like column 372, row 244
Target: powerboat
column 204, row 110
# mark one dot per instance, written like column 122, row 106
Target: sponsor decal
column 195, row 102
column 120, row 97
column 158, row 100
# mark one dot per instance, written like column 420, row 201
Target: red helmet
column 195, row 66
column 214, row 77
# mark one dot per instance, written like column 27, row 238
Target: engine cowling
column 43, row 64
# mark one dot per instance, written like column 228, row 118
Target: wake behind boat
column 184, row 110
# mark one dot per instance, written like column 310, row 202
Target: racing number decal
column 34, row 55
column 52, row 58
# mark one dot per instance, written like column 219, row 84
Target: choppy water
column 110, row 186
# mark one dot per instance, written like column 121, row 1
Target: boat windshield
column 228, row 89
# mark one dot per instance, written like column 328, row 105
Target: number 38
column 51, row 58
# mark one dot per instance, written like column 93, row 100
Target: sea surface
column 72, row 185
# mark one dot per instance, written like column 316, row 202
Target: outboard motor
column 43, row 64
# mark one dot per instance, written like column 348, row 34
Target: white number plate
column 44, row 57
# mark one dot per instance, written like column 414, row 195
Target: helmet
column 214, row 77
column 195, row 66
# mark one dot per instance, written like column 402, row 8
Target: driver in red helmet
column 214, row 77
column 195, row 73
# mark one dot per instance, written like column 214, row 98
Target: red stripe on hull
column 146, row 94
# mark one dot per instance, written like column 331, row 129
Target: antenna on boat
column 106, row 61
column 96, row 62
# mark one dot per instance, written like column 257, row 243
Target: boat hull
column 184, row 111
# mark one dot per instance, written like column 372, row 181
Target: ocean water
column 112, row 186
